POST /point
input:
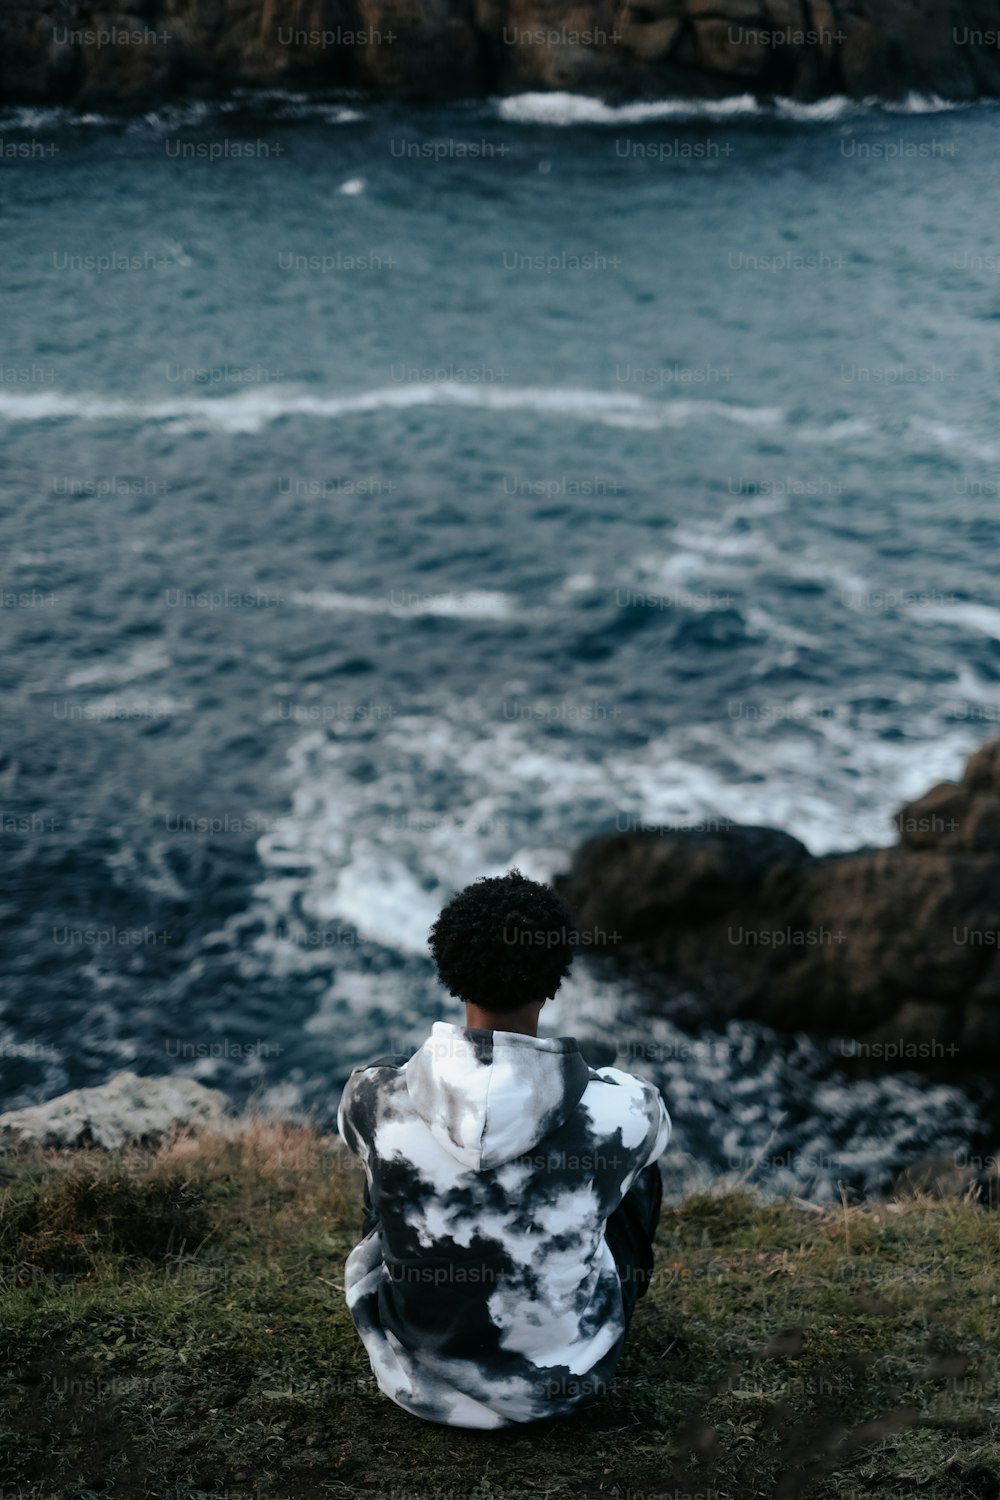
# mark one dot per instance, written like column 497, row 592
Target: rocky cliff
column 89, row 55
column 897, row 948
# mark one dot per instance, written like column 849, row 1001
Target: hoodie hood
column 488, row 1096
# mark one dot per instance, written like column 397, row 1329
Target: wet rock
column 896, row 948
column 964, row 816
column 69, row 50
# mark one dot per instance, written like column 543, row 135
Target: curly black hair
column 503, row 942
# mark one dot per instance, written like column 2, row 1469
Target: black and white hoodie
column 487, row 1295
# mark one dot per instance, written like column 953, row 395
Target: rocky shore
column 895, row 948
column 86, row 55
column 896, row 951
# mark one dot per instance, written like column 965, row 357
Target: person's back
column 485, row 1290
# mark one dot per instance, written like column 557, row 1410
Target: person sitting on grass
column 511, row 1190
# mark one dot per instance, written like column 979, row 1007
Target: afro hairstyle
column 503, row 942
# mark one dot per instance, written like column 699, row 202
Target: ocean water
column 392, row 497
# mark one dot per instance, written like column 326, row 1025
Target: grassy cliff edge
column 172, row 1324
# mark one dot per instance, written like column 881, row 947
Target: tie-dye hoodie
column 487, row 1295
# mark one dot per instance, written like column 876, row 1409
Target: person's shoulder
column 368, row 1079
column 612, row 1090
column 359, row 1100
column 389, row 1060
column 620, row 1102
column 618, row 1078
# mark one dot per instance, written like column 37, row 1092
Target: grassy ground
column 173, row 1325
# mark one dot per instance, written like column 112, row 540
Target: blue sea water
column 391, row 497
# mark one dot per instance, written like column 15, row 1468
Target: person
column 511, row 1190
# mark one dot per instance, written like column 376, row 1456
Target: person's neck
column 523, row 1020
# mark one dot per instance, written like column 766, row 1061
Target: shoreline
column 66, row 53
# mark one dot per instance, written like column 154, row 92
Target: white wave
column 49, row 117
column 951, row 437
column 314, row 109
column 708, row 542
column 386, row 902
column 712, row 559
column 681, row 566
column 579, row 109
column 679, row 413
column 132, row 706
column 839, row 107
column 354, row 1014
column 177, row 252
column 352, row 188
column 766, row 624
column 144, row 661
column 179, row 116
column 921, row 104
column 567, row 109
column 380, row 854
column 535, row 108
column 965, row 614
column 251, row 410
column 829, row 785
column 481, row 604
column 277, row 104
column 818, row 111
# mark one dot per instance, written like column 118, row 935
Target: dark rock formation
column 95, row 55
column 898, row 948
column 952, row 1177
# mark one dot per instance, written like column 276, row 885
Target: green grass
column 172, row 1324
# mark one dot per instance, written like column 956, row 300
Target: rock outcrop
column 952, row 1177
column 126, row 1109
column 95, row 55
column 897, row 949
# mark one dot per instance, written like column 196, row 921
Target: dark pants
column 630, row 1231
